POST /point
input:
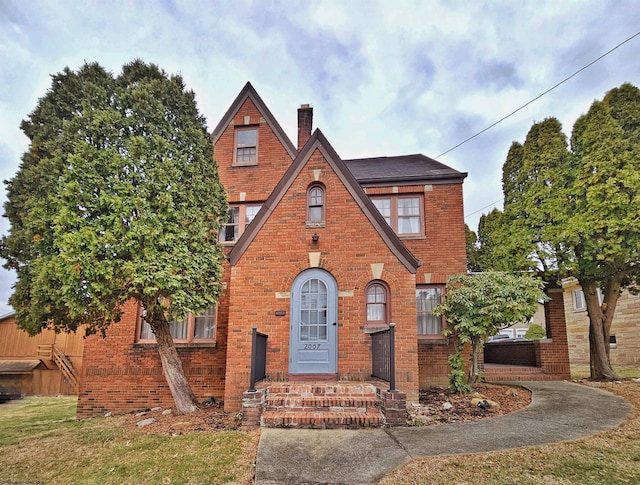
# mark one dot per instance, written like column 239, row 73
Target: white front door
column 314, row 316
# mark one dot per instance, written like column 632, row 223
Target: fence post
column 392, row 357
column 254, row 345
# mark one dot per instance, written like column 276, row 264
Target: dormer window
column 315, row 204
column 246, row 149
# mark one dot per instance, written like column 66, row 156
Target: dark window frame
column 245, row 154
column 240, row 224
column 377, row 284
column 393, row 217
column 190, row 321
column 313, row 204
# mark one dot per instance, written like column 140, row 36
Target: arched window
column 315, row 203
column 377, row 302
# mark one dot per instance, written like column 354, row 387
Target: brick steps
column 321, row 405
column 321, row 419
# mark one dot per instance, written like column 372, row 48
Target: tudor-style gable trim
column 319, row 142
column 249, row 92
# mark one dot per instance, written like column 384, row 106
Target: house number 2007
column 311, row 346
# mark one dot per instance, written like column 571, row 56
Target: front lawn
column 40, row 440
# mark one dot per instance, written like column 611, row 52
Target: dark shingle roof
column 398, row 169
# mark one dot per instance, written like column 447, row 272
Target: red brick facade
column 121, row 374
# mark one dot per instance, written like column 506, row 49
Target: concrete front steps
column 322, row 405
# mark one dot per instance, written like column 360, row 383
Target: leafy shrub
column 535, row 332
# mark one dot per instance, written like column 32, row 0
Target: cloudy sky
column 384, row 77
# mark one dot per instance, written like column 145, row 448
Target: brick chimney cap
column 305, row 106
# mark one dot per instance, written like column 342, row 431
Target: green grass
column 612, row 457
column 583, row 372
column 40, row 440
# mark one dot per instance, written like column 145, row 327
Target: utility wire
column 483, row 208
column 539, row 96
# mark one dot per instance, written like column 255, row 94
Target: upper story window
column 429, row 325
column 190, row 329
column 315, row 203
column 377, row 303
column 240, row 216
column 246, row 146
column 402, row 213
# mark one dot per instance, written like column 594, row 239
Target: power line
column 539, row 96
column 483, row 208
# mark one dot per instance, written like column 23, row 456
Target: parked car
column 499, row 337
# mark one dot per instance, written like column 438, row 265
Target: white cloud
column 384, row 78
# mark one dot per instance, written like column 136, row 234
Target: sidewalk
column 559, row 411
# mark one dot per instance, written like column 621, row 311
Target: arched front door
column 314, row 317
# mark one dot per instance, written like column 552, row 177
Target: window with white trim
column 578, row 301
column 193, row 328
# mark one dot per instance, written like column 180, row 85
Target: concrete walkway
column 559, row 411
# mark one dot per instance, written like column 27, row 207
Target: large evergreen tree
column 117, row 198
column 576, row 212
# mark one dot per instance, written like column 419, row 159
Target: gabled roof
column 318, row 141
column 249, row 92
column 401, row 169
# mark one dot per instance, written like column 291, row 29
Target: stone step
column 319, row 403
column 355, row 390
column 321, row 419
column 505, row 373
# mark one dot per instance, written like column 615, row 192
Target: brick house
column 321, row 253
column 624, row 346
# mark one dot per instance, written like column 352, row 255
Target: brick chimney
column 305, row 123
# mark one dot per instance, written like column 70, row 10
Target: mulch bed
column 435, row 410
column 432, row 411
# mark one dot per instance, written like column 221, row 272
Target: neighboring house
column 624, row 343
column 321, row 253
column 45, row 364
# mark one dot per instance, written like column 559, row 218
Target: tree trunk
column 476, row 348
column 183, row 397
column 599, row 328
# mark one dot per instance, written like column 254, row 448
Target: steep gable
column 248, row 92
column 320, row 143
column 251, row 149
